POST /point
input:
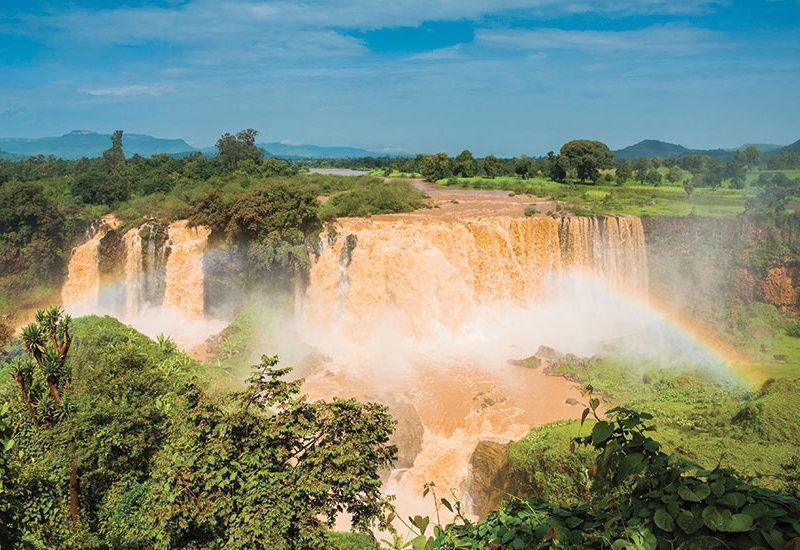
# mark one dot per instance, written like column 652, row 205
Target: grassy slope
column 699, row 415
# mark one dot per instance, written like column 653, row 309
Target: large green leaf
column 663, row 520
column 716, row 518
column 689, row 522
column 601, row 432
column 739, row 523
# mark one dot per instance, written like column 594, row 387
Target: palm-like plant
column 47, row 340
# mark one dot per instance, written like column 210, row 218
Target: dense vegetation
column 118, row 441
column 259, row 204
column 111, row 440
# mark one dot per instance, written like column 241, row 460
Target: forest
column 111, row 439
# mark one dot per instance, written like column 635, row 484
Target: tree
column 524, row 167
column 107, row 181
column 689, row 185
column 262, row 462
column 751, row 157
column 624, row 171
column 465, row 166
column 675, row 174
column 653, row 177
column 713, row 174
column 641, row 165
column 33, row 231
column 587, row 157
column 235, row 149
column 774, row 194
column 436, row 167
column 736, row 170
column 491, row 166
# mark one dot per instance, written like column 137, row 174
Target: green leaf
column 773, row 538
column 698, row 493
column 663, row 520
column 447, row 504
column 632, row 464
column 573, row 521
column 718, row 488
column 601, row 432
column 716, row 518
column 419, row 543
column 585, row 413
column 688, row 522
column 739, row 523
column 732, row 500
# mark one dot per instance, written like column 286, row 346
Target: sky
column 501, row 77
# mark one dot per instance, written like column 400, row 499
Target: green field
column 634, row 199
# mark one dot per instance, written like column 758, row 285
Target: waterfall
column 430, row 310
column 438, row 271
column 162, row 281
column 184, row 279
column 133, row 272
column 81, row 290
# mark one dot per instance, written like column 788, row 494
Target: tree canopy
column 586, row 157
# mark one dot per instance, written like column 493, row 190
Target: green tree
column 736, row 170
column 234, row 150
column 750, row 156
column 491, row 166
column 675, row 174
column 689, row 185
column 641, row 165
column 653, row 177
column 587, row 157
column 624, row 171
column 465, row 165
column 436, row 167
column 262, row 463
column 524, row 166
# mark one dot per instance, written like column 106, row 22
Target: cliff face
column 698, row 263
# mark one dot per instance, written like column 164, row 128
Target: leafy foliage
column 641, row 498
column 160, row 463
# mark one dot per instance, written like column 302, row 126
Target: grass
column 709, row 421
column 634, row 199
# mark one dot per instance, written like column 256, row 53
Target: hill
column 650, row 148
column 10, row 156
column 793, row 148
column 82, row 143
column 289, row 151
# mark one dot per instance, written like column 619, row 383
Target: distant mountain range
column 653, row 148
column 285, row 150
column 83, row 143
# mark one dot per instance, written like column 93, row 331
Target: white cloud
column 450, row 52
column 129, row 90
column 672, row 39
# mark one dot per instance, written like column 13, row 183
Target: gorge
column 423, row 313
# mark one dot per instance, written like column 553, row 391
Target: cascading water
column 163, row 280
column 81, row 290
column 133, row 272
column 184, row 283
column 429, row 310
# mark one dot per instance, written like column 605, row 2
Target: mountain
column 288, row 151
column 652, row 148
column 793, row 148
column 10, row 156
column 82, row 143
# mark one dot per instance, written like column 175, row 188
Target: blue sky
column 503, row 77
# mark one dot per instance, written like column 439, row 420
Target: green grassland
column 708, row 421
column 634, row 199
